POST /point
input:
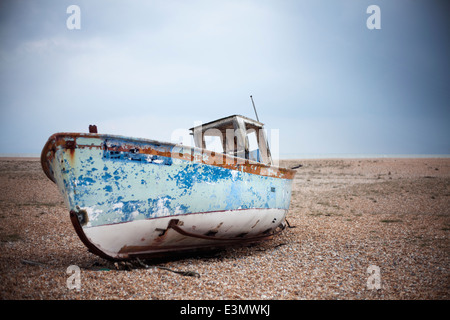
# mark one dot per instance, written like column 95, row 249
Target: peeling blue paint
column 117, row 186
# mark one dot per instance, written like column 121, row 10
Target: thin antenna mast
column 254, row 108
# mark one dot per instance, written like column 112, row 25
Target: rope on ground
column 183, row 273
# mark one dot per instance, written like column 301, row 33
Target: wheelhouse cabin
column 236, row 136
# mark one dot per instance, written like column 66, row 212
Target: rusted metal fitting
column 92, row 128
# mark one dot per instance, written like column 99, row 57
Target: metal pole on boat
column 254, row 108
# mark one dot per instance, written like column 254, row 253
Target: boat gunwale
column 231, row 162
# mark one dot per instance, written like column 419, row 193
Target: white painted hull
column 153, row 236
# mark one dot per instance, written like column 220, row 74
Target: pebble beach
column 348, row 217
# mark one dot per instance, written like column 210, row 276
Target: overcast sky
column 317, row 73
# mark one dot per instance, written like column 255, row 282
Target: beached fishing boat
column 131, row 197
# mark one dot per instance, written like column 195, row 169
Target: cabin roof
column 228, row 122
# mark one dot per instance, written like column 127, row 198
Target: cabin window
column 253, row 147
column 213, row 143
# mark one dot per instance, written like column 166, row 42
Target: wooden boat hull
column 142, row 198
